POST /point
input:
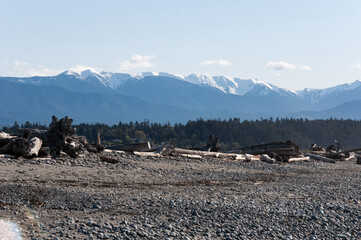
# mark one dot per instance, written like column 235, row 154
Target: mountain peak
column 86, row 73
column 70, row 73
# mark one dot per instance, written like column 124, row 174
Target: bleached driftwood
column 234, row 156
column 253, row 157
column 298, row 159
column 192, row 156
column 113, row 151
column 147, row 154
column 6, row 135
column 34, row 147
column 351, row 157
column 320, row 158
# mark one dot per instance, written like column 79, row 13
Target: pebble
column 226, row 199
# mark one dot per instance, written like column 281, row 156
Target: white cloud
column 280, row 65
column 356, row 66
column 137, row 61
column 220, row 62
column 305, row 68
column 26, row 69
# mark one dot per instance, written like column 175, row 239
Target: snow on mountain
column 225, row 84
column 71, row 73
column 116, row 80
column 315, row 95
column 235, row 86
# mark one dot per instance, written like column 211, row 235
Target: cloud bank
column 26, row 69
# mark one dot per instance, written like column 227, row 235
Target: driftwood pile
column 274, row 152
column 59, row 140
column 333, row 153
column 270, row 153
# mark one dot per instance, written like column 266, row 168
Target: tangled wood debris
column 333, row 153
column 275, row 152
column 61, row 140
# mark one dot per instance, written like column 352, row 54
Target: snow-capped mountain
column 315, row 95
column 237, row 86
column 193, row 96
column 90, row 80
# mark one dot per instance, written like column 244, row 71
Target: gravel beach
column 179, row 198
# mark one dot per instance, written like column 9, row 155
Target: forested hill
column 233, row 133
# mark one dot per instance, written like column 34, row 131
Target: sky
column 291, row 44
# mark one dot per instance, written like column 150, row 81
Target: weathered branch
column 320, row 158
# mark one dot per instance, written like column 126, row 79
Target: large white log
column 298, row 159
column 253, row 157
column 34, row 147
column 113, row 151
column 192, row 156
column 210, row 154
column 147, row 154
column 6, row 135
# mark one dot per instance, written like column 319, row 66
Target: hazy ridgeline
column 232, row 133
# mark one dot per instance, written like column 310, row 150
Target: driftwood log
column 147, row 154
column 4, row 135
column 131, row 147
column 21, row 147
column 267, row 159
column 34, row 147
column 298, row 159
column 180, row 151
column 16, row 146
column 108, row 159
column 282, row 149
column 191, row 156
column 320, row 158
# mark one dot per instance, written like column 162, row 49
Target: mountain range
column 108, row 97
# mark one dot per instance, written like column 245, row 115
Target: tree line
column 233, row 133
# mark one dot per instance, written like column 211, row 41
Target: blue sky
column 292, row 44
